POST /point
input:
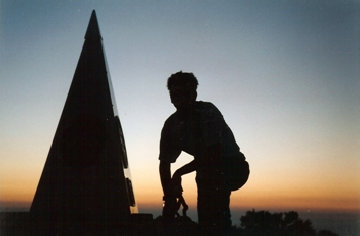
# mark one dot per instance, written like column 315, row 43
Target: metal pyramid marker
column 86, row 180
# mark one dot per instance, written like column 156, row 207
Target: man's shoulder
column 207, row 107
column 171, row 120
column 204, row 104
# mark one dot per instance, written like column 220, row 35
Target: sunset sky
column 285, row 75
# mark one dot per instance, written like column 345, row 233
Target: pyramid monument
column 86, row 179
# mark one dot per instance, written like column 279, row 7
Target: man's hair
column 182, row 79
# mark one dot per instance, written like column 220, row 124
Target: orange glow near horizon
column 336, row 194
column 17, row 188
column 144, row 202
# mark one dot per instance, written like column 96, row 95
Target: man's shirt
column 196, row 132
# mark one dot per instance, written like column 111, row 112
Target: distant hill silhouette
column 253, row 223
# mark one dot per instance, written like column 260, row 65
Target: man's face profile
column 182, row 96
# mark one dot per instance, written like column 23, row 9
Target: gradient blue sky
column 285, row 75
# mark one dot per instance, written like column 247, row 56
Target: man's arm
column 185, row 169
column 168, row 154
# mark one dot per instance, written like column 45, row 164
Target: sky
column 284, row 74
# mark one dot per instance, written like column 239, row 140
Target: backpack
column 236, row 171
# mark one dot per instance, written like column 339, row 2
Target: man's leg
column 213, row 208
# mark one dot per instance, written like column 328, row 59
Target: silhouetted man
column 197, row 128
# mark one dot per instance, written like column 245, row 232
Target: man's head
column 182, row 87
